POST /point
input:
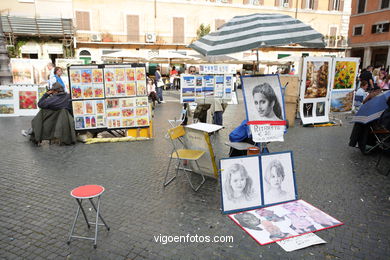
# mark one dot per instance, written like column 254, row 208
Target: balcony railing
column 336, row 41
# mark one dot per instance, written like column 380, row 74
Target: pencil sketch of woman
column 266, row 103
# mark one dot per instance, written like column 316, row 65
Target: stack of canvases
column 251, row 183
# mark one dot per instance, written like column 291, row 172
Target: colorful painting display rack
column 343, row 84
column 328, row 85
column 109, row 96
column 197, row 88
column 316, row 77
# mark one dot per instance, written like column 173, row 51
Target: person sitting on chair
column 361, row 94
column 54, row 120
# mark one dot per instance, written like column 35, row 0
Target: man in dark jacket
column 367, row 76
column 55, row 99
column 54, row 120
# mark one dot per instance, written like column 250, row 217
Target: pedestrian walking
column 159, row 84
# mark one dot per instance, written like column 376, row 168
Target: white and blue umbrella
column 373, row 109
column 258, row 30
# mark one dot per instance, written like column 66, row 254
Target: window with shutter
column 358, row 30
column 132, row 28
column 341, row 6
column 361, row 6
column 332, row 38
column 385, row 4
column 315, row 5
column 386, row 27
column 380, row 28
column 178, row 30
column 309, row 4
column 82, row 21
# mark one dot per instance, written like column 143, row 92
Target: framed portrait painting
column 263, row 98
column 240, row 181
column 278, row 178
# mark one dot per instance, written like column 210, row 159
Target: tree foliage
column 202, row 31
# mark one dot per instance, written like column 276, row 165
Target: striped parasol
column 256, row 31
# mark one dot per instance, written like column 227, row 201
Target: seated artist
column 54, row 121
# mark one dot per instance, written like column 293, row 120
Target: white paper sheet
column 267, row 133
column 300, row 242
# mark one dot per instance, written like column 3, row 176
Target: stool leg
column 74, row 224
column 82, row 210
column 97, row 221
column 100, row 215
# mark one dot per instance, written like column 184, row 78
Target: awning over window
column 37, row 26
column 29, row 49
column 55, row 49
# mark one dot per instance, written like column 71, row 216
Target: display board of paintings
column 315, row 89
column 86, row 82
column 328, row 85
column 256, row 181
column 20, row 100
column 343, row 84
column 109, row 96
column 8, row 101
column 30, row 71
column 22, row 71
column 28, row 97
column 200, row 87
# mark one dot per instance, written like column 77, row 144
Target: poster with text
column 188, row 83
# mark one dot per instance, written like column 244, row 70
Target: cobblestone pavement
column 36, row 210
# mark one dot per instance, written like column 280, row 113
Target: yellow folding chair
column 180, row 155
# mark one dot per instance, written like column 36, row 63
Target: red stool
column 88, row 192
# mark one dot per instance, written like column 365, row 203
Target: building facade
column 105, row 26
column 38, row 29
column 369, row 34
column 163, row 24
